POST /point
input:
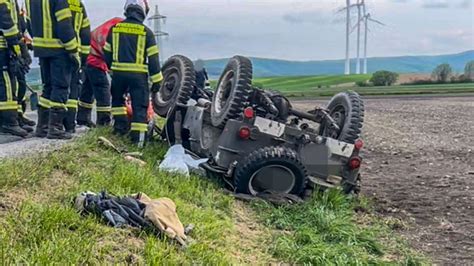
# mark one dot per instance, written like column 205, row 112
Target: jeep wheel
column 179, row 80
column 276, row 169
column 347, row 109
column 233, row 91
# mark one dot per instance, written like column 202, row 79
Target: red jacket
column 98, row 39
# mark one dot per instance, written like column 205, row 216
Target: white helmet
column 143, row 4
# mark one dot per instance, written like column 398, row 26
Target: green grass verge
column 39, row 226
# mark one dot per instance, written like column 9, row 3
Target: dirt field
column 419, row 167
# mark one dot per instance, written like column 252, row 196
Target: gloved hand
column 16, row 50
column 75, row 60
column 156, row 87
column 25, row 54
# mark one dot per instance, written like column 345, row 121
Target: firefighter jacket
column 96, row 57
column 8, row 28
column 50, row 24
column 131, row 47
column 82, row 26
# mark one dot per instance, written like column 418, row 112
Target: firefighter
column 201, row 74
column 9, row 48
column 55, row 43
column 132, row 55
column 19, row 19
column 83, row 31
column 96, row 84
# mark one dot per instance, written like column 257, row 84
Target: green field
column 307, row 83
column 39, row 226
column 323, row 86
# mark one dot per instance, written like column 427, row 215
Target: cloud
column 465, row 4
column 437, row 4
column 305, row 17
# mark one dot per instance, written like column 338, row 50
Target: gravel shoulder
column 12, row 147
column 419, row 167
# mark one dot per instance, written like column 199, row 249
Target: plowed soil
column 419, row 167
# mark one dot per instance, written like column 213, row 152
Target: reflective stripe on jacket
column 131, row 47
column 51, row 26
column 98, row 38
column 82, row 25
column 8, row 28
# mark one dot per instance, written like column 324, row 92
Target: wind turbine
column 366, row 19
column 347, row 9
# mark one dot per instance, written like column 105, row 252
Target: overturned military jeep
column 256, row 141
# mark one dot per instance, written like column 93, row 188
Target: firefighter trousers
column 72, row 102
column 21, row 93
column 136, row 84
column 96, row 86
column 56, row 74
column 8, row 103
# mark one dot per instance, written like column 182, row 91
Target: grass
column 326, row 86
column 303, row 83
column 39, row 226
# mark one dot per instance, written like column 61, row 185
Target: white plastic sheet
column 177, row 161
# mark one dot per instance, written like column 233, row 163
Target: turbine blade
column 376, row 21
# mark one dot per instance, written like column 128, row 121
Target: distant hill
column 403, row 64
column 264, row 67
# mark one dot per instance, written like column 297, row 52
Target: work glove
column 75, row 61
column 25, row 54
column 155, row 87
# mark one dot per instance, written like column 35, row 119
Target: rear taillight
column 249, row 113
column 244, row 133
column 358, row 144
column 355, row 162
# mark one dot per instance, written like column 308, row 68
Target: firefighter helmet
column 143, row 4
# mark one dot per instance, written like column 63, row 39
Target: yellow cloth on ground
column 162, row 213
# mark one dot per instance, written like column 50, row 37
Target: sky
column 304, row 29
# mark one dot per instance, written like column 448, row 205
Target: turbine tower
column 157, row 20
column 360, row 3
column 347, row 69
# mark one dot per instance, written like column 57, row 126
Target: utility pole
column 347, row 69
column 157, row 20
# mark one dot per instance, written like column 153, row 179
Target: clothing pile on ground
column 138, row 210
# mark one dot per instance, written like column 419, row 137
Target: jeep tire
column 347, row 109
column 275, row 169
column 233, row 91
column 179, row 80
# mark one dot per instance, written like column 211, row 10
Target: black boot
column 138, row 138
column 70, row 121
column 56, row 122
column 25, row 121
column 22, row 124
column 10, row 124
column 84, row 117
column 104, row 118
column 121, row 125
column 43, row 120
